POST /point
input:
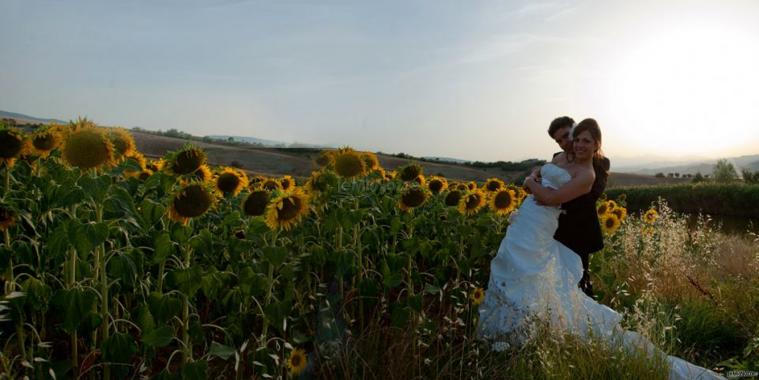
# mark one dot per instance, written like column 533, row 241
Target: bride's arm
column 576, row 187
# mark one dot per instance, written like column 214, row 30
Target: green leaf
column 119, row 348
column 195, row 371
column 188, row 281
column 221, row 351
column 162, row 247
column 75, row 303
column 164, row 307
column 144, row 319
column 158, row 337
column 275, row 255
column 151, row 212
column 95, row 188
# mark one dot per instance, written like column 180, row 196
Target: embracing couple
column 540, row 273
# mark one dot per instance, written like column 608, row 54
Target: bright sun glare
column 681, row 87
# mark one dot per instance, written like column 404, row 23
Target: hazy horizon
column 475, row 81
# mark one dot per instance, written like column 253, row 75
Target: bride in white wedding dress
column 534, row 277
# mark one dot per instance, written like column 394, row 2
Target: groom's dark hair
column 559, row 123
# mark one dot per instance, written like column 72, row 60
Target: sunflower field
column 116, row 266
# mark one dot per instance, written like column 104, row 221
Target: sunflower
column 521, row 194
column 190, row 201
column 45, row 141
column 255, row 180
column 650, row 216
column 602, row 209
column 256, row 202
column 139, row 159
column 503, row 201
column 437, row 184
column 271, row 184
column 620, row 212
column 370, row 161
column 610, row 205
column 88, row 147
column 477, row 296
column 186, row 161
column 123, row 142
column 12, row 145
column 348, row 163
column 287, row 182
column 453, row 197
column 325, row 159
column 202, row 174
column 609, row 223
column 145, row 174
column 321, row 180
column 460, row 186
column 297, row 361
column 410, row 172
column 494, row 184
column 390, row 175
column 7, row 218
column 471, row 185
column 420, row 180
column 471, row 202
column 412, row 197
column 286, row 209
column 156, row 165
column 231, row 181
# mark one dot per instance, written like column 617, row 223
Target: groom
column 579, row 229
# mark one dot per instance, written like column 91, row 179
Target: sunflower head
column 231, row 181
column 610, row 205
column 255, row 181
column 45, row 141
column 650, row 216
column 287, row 209
column 453, row 197
column 325, row 159
column 190, row 201
column 203, row 174
column 609, row 223
column 437, row 184
column 287, row 182
column 503, row 201
column 348, row 163
column 620, row 212
column 412, row 197
column 7, row 217
column 390, row 175
column 156, row 165
column 471, row 185
column 494, row 184
column 297, row 362
column 271, row 184
column 602, row 209
column 321, row 180
column 145, row 174
column 471, row 202
column 12, row 145
column 420, row 180
column 370, row 161
column 256, row 202
column 477, row 296
column 186, row 161
column 410, row 172
column 123, row 142
column 88, row 147
column 462, row 187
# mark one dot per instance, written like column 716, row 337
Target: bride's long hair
column 600, row 163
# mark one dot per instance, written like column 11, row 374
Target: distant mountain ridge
column 749, row 162
column 27, row 118
column 264, row 142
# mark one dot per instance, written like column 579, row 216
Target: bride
column 534, row 277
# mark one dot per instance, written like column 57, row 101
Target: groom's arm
column 553, row 197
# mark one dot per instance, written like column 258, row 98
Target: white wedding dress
column 534, row 278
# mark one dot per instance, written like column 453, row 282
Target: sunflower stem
column 9, row 280
column 102, row 260
column 7, row 180
column 187, row 349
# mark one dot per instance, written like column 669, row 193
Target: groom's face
column 561, row 136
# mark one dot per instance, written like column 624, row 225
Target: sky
column 472, row 80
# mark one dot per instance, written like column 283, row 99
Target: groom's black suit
column 579, row 228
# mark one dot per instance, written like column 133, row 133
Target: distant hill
column 263, row 142
column 750, row 162
column 26, row 119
